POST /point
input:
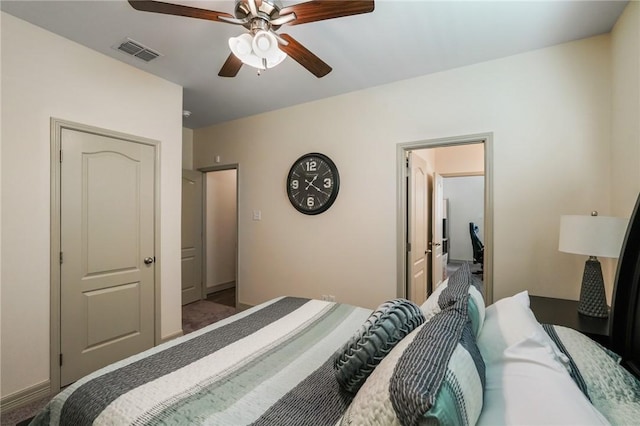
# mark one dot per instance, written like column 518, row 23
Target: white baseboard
column 220, row 287
column 172, row 336
column 243, row 307
column 25, row 396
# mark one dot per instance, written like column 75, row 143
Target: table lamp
column 592, row 236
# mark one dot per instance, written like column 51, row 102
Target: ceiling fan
column 263, row 47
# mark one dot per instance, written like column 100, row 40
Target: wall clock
column 313, row 183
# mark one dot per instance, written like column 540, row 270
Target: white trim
column 401, row 200
column 243, row 307
column 220, row 287
column 172, row 336
column 26, row 396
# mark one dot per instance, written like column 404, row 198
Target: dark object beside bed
column 478, row 247
column 625, row 309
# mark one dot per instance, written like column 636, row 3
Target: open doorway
column 209, row 246
column 221, row 235
column 436, row 247
column 464, row 221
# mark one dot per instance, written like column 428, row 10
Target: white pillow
column 523, row 298
column 527, row 381
column 510, row 321
column 430, row 307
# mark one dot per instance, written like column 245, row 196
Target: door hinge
column 60, row 360
column 61, row 156
column 408, row 246
column 61, row 258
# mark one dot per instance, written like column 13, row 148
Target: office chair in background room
column 478, row 247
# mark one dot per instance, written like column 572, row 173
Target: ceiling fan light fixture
column 259, row 51
column 265, row 44
column 241, row 45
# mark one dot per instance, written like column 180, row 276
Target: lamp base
column 593, row 301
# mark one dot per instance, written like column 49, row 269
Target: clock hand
column 318, row 189
column 310, row 183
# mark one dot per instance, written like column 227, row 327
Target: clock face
column 313, row 183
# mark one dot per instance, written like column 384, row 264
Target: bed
column 452, row 360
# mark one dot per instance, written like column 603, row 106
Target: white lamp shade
column 599, row 236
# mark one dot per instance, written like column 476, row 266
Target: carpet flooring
column 224, row 297
column 202, row 313
column 194, row 316
column 453, row 266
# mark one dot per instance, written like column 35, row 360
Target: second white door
column 418, row 220
column 191, row 236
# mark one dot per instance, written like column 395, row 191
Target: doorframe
column 401, row 217
column 219, row 168
column 56, row 127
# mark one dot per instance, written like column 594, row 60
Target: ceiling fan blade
column 231, row 66
column 317, row 10
column 304, row 57
column 178, row 9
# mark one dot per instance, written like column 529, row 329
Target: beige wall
column 187, row 148
column 625, row 121
column 625, row 135
column 221, row 228
column 460, row 159
column 44, row 76
column 549, row 111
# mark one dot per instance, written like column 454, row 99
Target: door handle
column 149, row 260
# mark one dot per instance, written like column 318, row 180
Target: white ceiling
column 401, row 39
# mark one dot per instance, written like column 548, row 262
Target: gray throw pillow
column 386, row 326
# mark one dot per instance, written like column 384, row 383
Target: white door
column 437, row 259
column 191, row 236
column 417, row 229
column 107, row 271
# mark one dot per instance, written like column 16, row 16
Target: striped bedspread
column 268, row 365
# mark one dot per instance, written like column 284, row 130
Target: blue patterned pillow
column 386, row 326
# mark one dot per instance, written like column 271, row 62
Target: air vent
column 136, row 49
